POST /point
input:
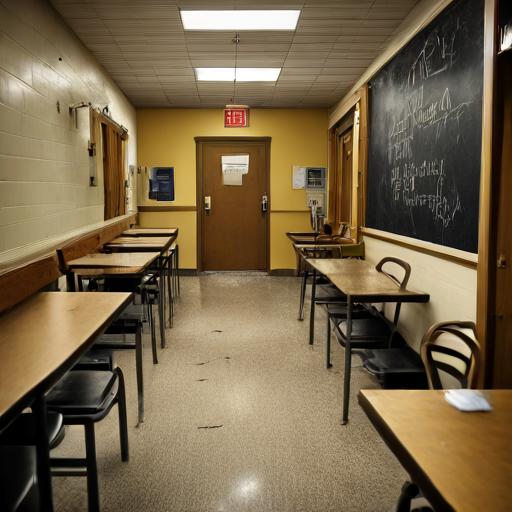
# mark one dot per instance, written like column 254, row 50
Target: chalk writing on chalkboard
column 425, row 133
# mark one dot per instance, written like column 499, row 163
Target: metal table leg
column 138, row 364
column 44, row 475
column 312, row 315
column 348, row 362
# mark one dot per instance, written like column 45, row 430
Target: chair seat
column 339, row 312
column 97, row 360
column 17, row 469
column 83, row 392
column 329, row 293
column 371, row 330
column 22, row 431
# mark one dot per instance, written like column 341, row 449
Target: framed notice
column 236, row 118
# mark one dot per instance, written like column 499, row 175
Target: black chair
column 18, row 461
column 17, row 472
column 84, row 398
column 368, row 331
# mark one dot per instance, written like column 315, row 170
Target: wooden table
column 41, row 339
column 151, row 232
column 141, row 244
column 361, row 283
column 462, row 461
column 150, row 244
column 134, row 261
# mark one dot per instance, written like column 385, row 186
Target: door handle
column 208, row 205
column 264, row 203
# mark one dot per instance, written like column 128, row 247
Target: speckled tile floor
column 238, row 359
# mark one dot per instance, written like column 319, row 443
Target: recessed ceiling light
column 241, row 74
column 240, row 20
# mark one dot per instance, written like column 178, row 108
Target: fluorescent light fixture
column 240, row 20
column 216, row 74
column 241, row 74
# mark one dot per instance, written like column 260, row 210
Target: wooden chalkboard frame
column 468, row 249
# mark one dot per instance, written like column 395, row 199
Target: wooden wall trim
column 163, row 208
column 20, row 283
column 290, row 211
column 89, row 242
column 486, row 294
column 444, row 253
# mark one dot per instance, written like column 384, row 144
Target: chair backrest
column 403, row 264
column 451, row 347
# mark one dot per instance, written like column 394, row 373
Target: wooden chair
column 372, row 331
column 451, row 347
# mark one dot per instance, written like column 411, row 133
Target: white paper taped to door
column 238, row 164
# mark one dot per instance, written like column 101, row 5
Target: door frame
column 201, row 142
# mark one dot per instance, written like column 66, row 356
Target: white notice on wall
column 233, row 168
column 298, row 177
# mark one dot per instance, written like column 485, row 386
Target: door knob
column 208, row 205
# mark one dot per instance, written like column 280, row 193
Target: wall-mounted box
column 161, row 183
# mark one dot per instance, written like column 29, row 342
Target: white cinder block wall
column 44, row 163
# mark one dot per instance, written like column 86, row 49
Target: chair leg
column 123, row 421
column 329, row 365
column 93, row 490
column 153, row 332
column 302, row 295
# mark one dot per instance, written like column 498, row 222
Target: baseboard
column 187, row 272
column 283, row 272
column 277, row 272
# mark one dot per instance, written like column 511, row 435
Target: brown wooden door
column 234, row 235
column 503, row 341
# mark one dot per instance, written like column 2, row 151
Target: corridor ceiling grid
column 144, row 48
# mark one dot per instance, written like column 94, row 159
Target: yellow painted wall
column 166, row 138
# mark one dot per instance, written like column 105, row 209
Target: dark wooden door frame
column 200, row 143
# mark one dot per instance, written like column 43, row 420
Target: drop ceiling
column 143, row 47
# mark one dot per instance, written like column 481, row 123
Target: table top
column 462, row 461
column 146, row 243
column 138, row 260
column 44, row 336
column 311, row 239
column 151, row 232
column 360, row 279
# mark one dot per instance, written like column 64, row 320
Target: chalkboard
column 426, row 133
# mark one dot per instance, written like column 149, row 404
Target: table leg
column 161, row 307
column 138, row 364
column 328, row 344
column 169, row 287
column 312, row 315
column 348, row 362
column 44, row 475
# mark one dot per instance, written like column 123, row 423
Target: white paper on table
column 235, row 164
column 298, row 177
column 467, row 400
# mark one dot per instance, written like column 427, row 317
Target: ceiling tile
column 144, row 48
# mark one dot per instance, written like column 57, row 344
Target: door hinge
column 502, row 261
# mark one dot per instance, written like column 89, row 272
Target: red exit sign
column 236, row 118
